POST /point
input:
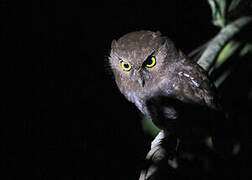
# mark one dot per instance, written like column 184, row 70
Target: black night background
column 62, row 114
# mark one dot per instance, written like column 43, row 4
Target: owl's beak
column 141, row 82
column 138, row 77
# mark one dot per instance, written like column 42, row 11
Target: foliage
column 231, row 18
column 216, row 56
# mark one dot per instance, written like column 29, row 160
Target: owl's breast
column 152, row 95
column 138, row 100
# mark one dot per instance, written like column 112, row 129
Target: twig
column 214, row 47
column 198, row 50
column 163, row 150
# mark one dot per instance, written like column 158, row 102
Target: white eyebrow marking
column 191, row 78
column 186, row 75
column 195, row 83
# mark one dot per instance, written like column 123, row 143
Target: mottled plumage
column 159, row 79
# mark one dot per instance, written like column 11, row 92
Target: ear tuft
column 158, row 33
column 114, row 44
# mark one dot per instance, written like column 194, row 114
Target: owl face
column 139, row 59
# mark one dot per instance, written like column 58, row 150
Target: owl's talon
column 158, row 139
column 164, row 146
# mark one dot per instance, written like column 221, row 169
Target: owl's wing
column 191, row 84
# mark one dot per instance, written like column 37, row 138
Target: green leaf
column 149, row 127
column 222, row 77
column 246, row 49
column 218, row 8
column 227, row 52
column 234, row 4
column 209, row 142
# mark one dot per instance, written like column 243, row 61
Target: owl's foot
column 162, row 157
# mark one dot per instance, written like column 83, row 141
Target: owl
column 167, row 87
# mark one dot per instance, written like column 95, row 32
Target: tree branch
column 208, row 57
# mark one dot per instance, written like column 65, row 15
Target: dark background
column 62, row 115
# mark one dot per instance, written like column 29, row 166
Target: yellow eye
column 125, row 66
column 150, row 61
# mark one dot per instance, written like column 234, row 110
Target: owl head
column 139, row 59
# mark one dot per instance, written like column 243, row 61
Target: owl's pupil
column 126, row 66
column 148, row 61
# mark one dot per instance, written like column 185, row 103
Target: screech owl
column 160, row 80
